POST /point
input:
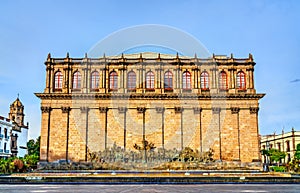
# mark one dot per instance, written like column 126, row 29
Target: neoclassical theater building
column 172, row 101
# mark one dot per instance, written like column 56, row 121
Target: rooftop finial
column 67, row 54
column 49, row 56
column 213, row 55
column 195, row 55
column 250, row 56
column 122, row 56
column 231, row 55
column 85, row 55
column 177, row 55
column 104, row 55
column 18, row 95
column 158, row 56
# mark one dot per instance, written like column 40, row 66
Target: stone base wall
column 77, row 127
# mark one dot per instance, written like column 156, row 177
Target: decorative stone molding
column 253, row 110
column 46, row 109
column 141, row 109
column 84, row 109
column 235, row 110
column 160, row 109
column 197, row 110
column 65, row 109
column 178, row 109
column 103, row 109
column 122, row 109
column 216, row 110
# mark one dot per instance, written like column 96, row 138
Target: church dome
column 17, row 103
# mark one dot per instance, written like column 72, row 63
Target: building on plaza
column 172, row 101
column 285, row 141
column 13, row 132
column 5, row 130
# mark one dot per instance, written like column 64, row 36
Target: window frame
column 241, row 80
column 95, row 78
column 76, row 81
column 186, row 81
column 223, row 84
column 150, row 80
column 113, row 81
column 58, row 80
column 168, row 80
column 131, row 81
column 204, row 80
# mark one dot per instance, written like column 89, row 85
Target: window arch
column 204, row 78
column 186, row 80
column 223, row 80
column 131, row 80
column 241, row 80
column 168, row 80
column 76, row 80
column 113, row 80
column 95, row 80
column 150, row 80
column 58, row 77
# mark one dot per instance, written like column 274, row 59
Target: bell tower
column 16, row 112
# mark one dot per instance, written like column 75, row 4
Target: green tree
column 297, row 153
column 276, row 155
column 33, row 146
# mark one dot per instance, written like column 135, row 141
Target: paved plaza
column 282, row 188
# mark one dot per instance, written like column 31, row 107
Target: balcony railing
column 1, row 150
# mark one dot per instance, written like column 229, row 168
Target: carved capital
column 253, row 110
column 216, row 110
column 65, row 109
column 141, row 109
column 103, row 109
column 46, row 109
column 84, row 109
column 197, row 110
column 178, row 109
column 234, row 110
column 159, row 109
column 122, row 109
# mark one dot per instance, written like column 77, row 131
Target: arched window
column 113, row 81
column 223, row 81
column 95, row 80
column 76, row 80
column 150, row 80
column 204, row 80
column 58, row 80
column 168, row 80
column 186, row 80
column 240, row 80
column 131, row 80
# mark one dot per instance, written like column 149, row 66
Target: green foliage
column 33, row 146
column 276, row 155
column 278, row 168
column 32, row 160
column 297, row 153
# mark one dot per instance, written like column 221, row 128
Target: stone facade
column 90, row 104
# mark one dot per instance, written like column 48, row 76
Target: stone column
column 180, row 110
column 85, row 110
column 236, row 110
column 217, row 111
column 66, row 110
column 103, row 112
column 45, row 133
column 198, row 110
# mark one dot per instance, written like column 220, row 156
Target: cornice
column 108, row 96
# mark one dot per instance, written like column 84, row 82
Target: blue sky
column 270, row 30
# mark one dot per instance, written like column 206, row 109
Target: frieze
column 103, row 109
column 65, row 109
column 141, row 109
column 216, row 110
column 159, row 109
column 84, row 109
column 178, row 109
column 197, row 110
column 234, row 110
column 253, row 110
column 46, row 109
column 122, row 109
